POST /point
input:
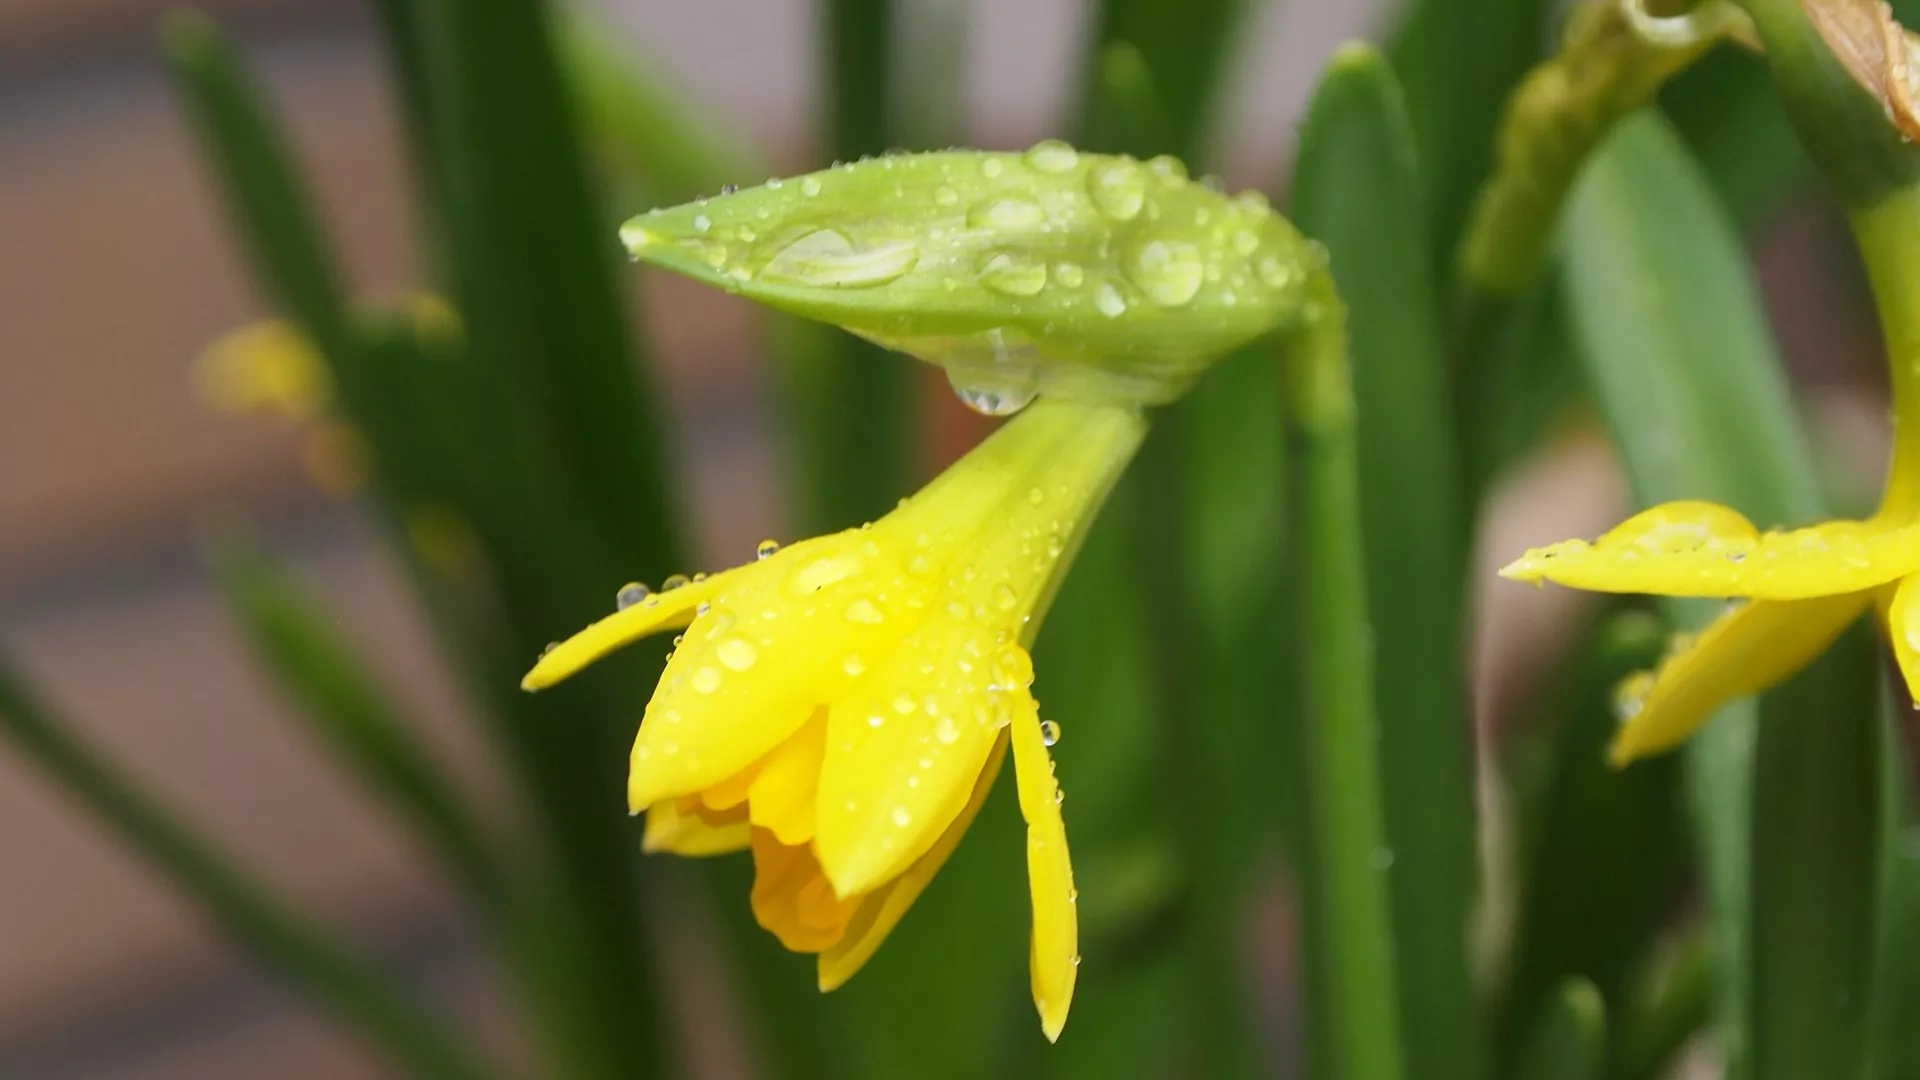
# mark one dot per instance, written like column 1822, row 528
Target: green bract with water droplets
column 1052, row 271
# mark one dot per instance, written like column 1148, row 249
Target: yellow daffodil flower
column 841, row 706
column 1797, row 590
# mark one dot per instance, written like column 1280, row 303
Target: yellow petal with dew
column 767, row 649
column 1902, row 617
column 668, row 609
column 687, row 834
column 904, row 750
column 792, row 898
column 1704, row 549
column 1054, row 955
column 1746, row 650
column 881, row 910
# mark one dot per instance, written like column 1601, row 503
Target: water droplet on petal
column 1168, row 271
column 903, row 704
column 829, row 259
column 1004, row 597
column 902, row 817
column 674, row 582
column 551, row 645
column 706, row 680
column 630, row 594
column 1012, row 275
column 1117, row 188
column 853, row 665
column 1108, row 301
column 1036, row 496
column 736, row 653
column 946, row 732
column 876, row 720
column 1006, row 212
column 1049, row 733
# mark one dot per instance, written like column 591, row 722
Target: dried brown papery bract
column 1876, row 50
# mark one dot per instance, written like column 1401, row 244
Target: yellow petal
column 1054, row 956
column 1744, row 651
column 687, row 834
column 784, row 791
column 1903, row 630
column 792, row 899
column 1704, row 549
column 881, row 910
column 771, row 645
column 665, row 610
column 904, row 750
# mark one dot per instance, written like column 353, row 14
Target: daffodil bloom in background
column 842, row 706
column 1795, row 590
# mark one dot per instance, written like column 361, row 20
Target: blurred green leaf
column 1357, row 190
column 275, row 224
column 328, row 970
column 1458, row 60
column 1124, row 114
column 1603, row 853
column 1186, row 48
column 350, row 716
column 1672, row 1002
column 1726, row 109
column 672, row 151
column 1569, row 1040
column 1678, row 354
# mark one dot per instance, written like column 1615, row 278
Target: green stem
column 1346, row 836
column 326, row 969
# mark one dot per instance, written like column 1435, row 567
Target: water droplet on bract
column 1069, row 274
column 991, row 168
column 766, row 549
column 1052, row 156
column 630, row 594
column 1168, row 271
column 674, row 582
column 945, row 196
column 1049, row 733
column 809, row 186
column 864, row 610
column 1006, row 212
column 903, row 704
column 1036, row 496
column 1382, row 858
column 701, row 223
column 1004, row 397
column 737, row 653
column 946, row 731
column 706, row 680
column 1108, row 301
column 1012, row 275
column 1274, row 272
column 827, row 258
column 1117, row 188
column 1245, row 243
column 1170, row 169
column 902, row 817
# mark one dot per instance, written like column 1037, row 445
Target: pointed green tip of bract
column 1063, row 272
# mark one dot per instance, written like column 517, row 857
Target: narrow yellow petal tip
column 1523, row 568
column 834, row 976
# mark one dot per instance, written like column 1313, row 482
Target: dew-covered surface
column 1050, row 271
